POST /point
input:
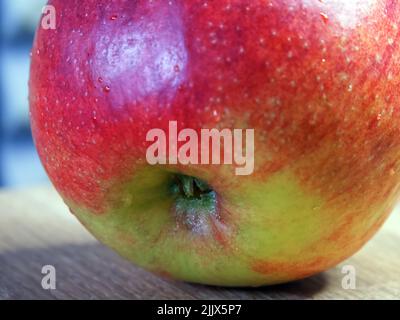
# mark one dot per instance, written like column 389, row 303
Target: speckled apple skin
column 317, row 80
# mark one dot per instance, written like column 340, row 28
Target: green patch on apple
column 278, row 226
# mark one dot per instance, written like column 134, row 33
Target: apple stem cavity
column 195, row 204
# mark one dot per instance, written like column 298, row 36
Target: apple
column 317, row 81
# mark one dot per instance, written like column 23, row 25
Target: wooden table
column 36, row 229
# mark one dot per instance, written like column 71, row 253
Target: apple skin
column 318, row 81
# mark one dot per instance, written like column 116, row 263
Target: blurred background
column 19, row 163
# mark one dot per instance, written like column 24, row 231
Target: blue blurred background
column 19, row 163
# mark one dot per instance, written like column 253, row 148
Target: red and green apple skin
column 318, row 81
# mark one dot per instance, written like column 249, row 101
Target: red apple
column 318, row 81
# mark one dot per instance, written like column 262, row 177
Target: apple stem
column 192, row 187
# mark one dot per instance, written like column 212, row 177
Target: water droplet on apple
column 114, row 17
column 216, row 115
column 325, row 17
column 106, row 89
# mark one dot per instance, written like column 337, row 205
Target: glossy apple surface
column 317, row 80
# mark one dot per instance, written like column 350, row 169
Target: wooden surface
column 36, row 229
